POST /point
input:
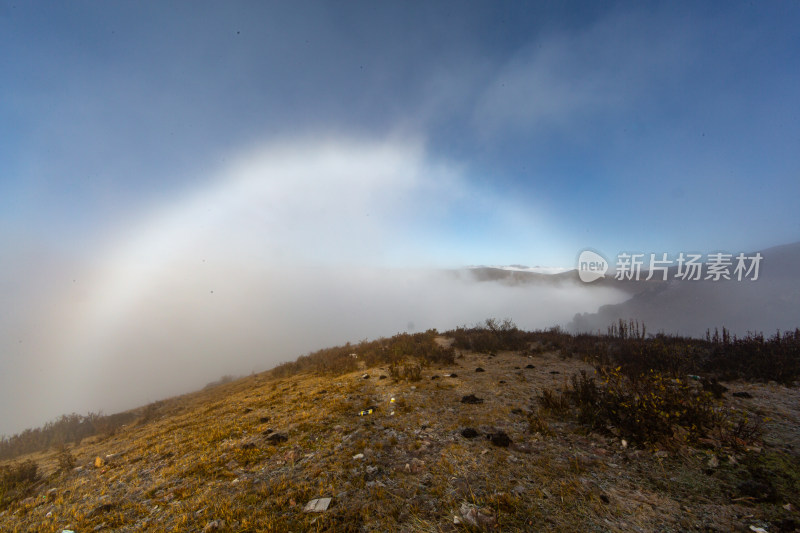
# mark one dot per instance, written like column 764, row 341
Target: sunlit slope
column 449, row 448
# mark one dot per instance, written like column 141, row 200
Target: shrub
column 66, row 461
column 405, row 371
column 491, row 337
column 538, row 424
column 16, row 481
column 652, row 408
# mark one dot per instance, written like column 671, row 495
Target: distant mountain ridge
column 770, row 303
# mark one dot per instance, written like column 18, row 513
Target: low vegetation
column 16, row 481
column 339, row 360
column 65, row 430
column 622, row 431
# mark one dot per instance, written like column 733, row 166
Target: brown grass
column 208, row 456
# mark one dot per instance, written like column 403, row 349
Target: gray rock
column 317, row 505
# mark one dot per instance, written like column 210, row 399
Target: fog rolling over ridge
column 768, row 304
column 287, row 247
column 184, row 330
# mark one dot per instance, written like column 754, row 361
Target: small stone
column 365, row 376
column 469, row 433
column 277, row 438
column 475, row 517
column 471, row 399
column 317, row 505
column 624, row 444
column 358, row 456
column 99, row 462
column 713, row 462
column 499, row 439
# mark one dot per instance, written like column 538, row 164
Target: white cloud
column 564, row 77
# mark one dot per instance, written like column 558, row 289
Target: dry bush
column 66, row 461
column 652, row 408
column 16, row 481
column 405, row 371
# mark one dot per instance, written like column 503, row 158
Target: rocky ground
column 457, row 450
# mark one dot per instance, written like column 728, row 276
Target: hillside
column 457, row 450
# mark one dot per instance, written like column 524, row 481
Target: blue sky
column 195, row 148
column 657, row 126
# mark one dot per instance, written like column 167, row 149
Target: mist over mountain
column 197, row 321
column 770, row 303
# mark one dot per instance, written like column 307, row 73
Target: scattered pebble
column 277, row 438
column 469, row 433
column 499, row 439
column 471, row 399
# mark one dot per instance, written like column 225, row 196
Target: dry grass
column 213, row 455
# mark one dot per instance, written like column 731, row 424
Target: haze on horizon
column 192, row 190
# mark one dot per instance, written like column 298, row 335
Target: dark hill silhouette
column 691, row 307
